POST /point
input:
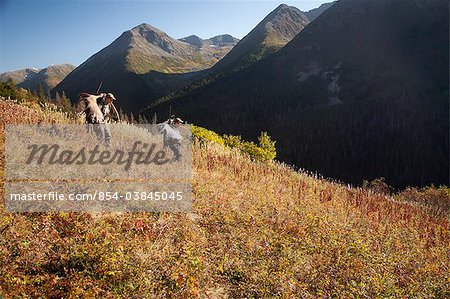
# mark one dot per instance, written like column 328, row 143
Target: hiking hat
column 110, row 95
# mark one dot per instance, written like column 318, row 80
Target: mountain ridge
column 217, row 41
column 149, row 64
column 31, row 78
column 271, row 34
column 314, row 13
column 395, row 58
column 142, row 63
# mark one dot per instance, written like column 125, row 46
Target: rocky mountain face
column 223, row 40
column 193, row 40
column 19, row 76
column 361, row 92
column 270, row 35
column 143, row 64
column 214, row 48
column 150, row 49
column 31, row 78
column 48, row 77
column 314, row 13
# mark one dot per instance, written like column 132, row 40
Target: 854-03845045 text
column 99, row 196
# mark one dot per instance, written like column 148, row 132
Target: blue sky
column 38, row 33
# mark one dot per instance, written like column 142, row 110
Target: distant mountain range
column 270, row 35
column 30, row 78
column 360, row 93
column 19, row 76
column 146, row 48
column 219, row 41
column 144, row 63
column 214, row 48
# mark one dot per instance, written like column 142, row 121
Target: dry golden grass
column 258, row 230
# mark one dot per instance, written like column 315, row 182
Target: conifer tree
column 41, row 94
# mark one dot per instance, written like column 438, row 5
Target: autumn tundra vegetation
column 258, row 229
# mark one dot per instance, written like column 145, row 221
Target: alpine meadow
column 313, row 152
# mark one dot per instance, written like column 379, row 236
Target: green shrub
column 204, row 135
column 265, row 151
column 267, row 146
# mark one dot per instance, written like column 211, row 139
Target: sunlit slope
column 256, row 230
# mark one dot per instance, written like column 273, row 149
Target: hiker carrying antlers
column 105, row 102
column 97, row 109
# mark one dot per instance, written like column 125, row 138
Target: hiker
column 171, row 120
column 97, row 109
column 105, row 102
column 109, row 111
column 172, row 136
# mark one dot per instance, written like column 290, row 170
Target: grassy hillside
column 256, row 230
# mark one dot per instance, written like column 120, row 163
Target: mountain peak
column 283, row 23
column 192, row 36
column 145, row 30
column 281, row 6
column 31, row 78
column 137, row 64
column 223, row 40
column 147, row 27
column 272, row 33
column 282, row 9
column 193, row 40
column 146, row 38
